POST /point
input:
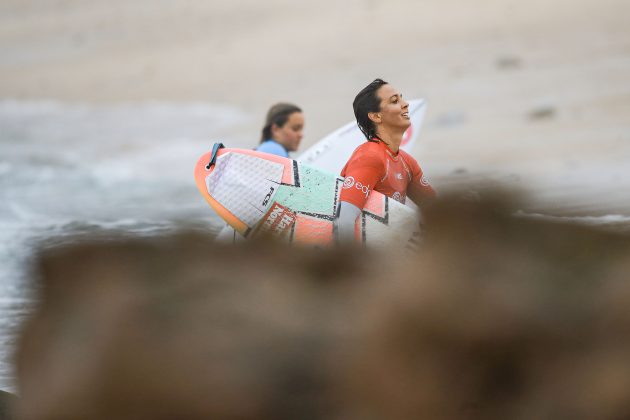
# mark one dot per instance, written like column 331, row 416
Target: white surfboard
column 332, row 152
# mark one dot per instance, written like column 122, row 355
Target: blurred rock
column 7, row 405
column 178, row 328
column 496, row 317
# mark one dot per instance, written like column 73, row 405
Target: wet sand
column 535, row 95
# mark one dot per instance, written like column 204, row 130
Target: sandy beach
column 534, row 94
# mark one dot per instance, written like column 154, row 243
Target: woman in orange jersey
column 378, row 164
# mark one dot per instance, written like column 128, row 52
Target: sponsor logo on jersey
column 277, row 221
column 399, row 197
column 399, row 176
column 349, row 182
column 365, row 189
column 424, row 181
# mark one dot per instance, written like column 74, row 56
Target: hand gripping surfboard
column 258, row 193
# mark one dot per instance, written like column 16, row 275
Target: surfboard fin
column 213, row 157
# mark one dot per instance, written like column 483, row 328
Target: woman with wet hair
column 283, row 130
column 378, row 164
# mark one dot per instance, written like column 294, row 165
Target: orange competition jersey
column 373, row 166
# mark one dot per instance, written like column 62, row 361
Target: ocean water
column 72, row 171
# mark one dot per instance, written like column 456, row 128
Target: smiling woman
column 383, row 116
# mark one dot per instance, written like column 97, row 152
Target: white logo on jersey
column 424, row 181
column 365, row 189
column 349, row 183
column 399, row 176
column 398, row 197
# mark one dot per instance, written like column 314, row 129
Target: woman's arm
column 419, row 190
column 361, row 175
column 346, row 221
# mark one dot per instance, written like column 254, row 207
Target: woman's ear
column 375, row 117
column 274, row 130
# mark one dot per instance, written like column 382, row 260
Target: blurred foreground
column 496, row 317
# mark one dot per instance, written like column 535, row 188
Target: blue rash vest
column 273, row 147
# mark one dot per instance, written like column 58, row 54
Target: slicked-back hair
column 278, row 114
column 365, row 102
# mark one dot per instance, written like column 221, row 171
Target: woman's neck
column 392, row 139
column 284, row 146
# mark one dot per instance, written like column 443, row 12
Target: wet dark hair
column 368, row 101
column 278, row 114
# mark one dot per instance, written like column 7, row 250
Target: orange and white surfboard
column 259, row 193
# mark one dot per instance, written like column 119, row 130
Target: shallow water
column 75, row 171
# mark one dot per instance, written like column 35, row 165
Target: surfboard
column 333, row 151
column 262, row 194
